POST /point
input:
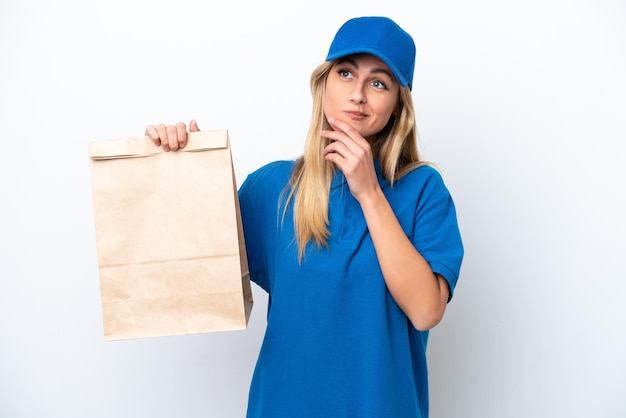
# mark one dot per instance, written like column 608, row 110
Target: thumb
column 193, row 126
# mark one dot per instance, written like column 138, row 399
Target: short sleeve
column 249, row 202
column 259, row 199
column 436, row 232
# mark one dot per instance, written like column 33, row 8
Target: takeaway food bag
column 169, row 240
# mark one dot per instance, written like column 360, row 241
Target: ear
column 397, row 110
column 399, row 104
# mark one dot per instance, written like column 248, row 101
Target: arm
column 420, row 293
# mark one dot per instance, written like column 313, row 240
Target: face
column 361, row 91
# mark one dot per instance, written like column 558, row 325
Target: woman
column 356, row 242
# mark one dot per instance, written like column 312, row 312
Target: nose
column 357, row 96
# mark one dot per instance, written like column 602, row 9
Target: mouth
column 354, row 115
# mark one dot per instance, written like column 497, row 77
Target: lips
column 354, row 115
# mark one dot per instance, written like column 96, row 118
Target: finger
column 336, row 159
column 193, row 126
column 344, row 164
column 342, row 138
column 162, row 132
column 347, row 129
column 172, row 137
column 181, row 134
column 349, row 157
column 341, row 126
column 338, row 148
column 153, row 134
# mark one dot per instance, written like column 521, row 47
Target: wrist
column 372, row 200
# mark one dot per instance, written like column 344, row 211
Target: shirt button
column 348, row 214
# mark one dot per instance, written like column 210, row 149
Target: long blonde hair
column 309, row 186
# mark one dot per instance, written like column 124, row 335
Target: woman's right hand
column 170, row 137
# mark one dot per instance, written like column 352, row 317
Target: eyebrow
column 375, row 71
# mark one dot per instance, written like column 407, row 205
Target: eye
column 379, row 85
column 343, row 73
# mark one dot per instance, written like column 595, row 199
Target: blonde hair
column 309, row 186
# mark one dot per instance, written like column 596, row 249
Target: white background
column 521, row 104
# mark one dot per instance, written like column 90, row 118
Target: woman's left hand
column 353, row 155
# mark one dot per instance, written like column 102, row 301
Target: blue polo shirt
column 336, row 344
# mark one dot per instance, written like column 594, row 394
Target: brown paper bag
column 171, row 252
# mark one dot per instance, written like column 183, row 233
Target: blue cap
column 379, row 36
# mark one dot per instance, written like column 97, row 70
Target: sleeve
column 436, row 232
column 250, row 201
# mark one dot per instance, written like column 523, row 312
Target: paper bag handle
column 142, row 146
